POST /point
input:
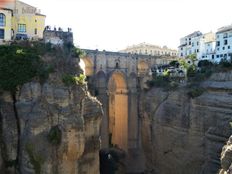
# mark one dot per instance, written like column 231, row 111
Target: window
column 223, row 48
column 2, row 20
column 217, row 56
column 22, row 28
column 35, row 30
column 221, row 55
column 218, row 49
column 189, row 43
column 212, row 56
column 225, row 55
column 197, row 50
column 35, row 20
column 2, row 33
column 218, row 43
column 225, row 35
column 192, row 44
column 225, row 42
column 197, row 43
column 181, row 54
column 181, row 48
column 228, row 47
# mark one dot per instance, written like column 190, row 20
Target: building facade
column 20, row 19
column 224, row 43
column 203, row 45
column 149, row 49
column 209, row 46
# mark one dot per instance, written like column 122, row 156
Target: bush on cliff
column 196, row 92
column 70, row 80
column 20, row 64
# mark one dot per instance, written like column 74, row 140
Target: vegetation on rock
column 196, row 92
column 70, row 80
column 36, row 159
column 20, row 64
column 55, row 135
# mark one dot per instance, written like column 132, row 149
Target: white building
column 203, row 45
column 224, row 43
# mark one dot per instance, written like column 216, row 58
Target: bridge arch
column 118, row 110
column 143, row 67
column 87, row 66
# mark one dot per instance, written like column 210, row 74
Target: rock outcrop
column 226, row 158
column 50, row 128
column 183, row 135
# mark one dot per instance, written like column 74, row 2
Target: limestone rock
column 183, row 135
column 59, row 129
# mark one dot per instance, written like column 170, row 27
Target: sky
column 113, row 25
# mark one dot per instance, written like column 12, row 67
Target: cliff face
column 185, row 135
column 50, row 128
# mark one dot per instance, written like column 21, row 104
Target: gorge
column 53, row 125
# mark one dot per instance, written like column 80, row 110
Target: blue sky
column 115, row 24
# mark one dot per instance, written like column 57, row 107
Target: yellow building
column 19, row 20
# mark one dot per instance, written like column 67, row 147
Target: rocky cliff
column 50, row 127
column 182, row 134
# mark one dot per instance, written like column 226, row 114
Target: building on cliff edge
column 209, row 46
column 19, row 20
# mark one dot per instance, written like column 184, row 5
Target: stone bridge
column 115, row 78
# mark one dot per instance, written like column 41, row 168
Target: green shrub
column 191, row 71
column 196, row 92
column 174, row 63
column 159, row 81
column 204, row 63
column 224, row 63
column 17, row 66
column 20, row 64
column 70, row 80
column 55, row 135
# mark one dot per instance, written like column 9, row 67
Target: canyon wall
column 50, row 127
column 183, row 135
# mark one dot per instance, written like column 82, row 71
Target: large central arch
column 118, row 110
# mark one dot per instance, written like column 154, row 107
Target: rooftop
column 194, row 34
column 144, row 45
column 224, row 29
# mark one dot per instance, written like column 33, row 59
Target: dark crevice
column 17, row 160
column 2, row 146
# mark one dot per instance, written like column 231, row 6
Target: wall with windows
column 5, row 24
column 149, row 49
column 224, row 44
column 203, row 45
column 25, row 19
column 28, row 21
